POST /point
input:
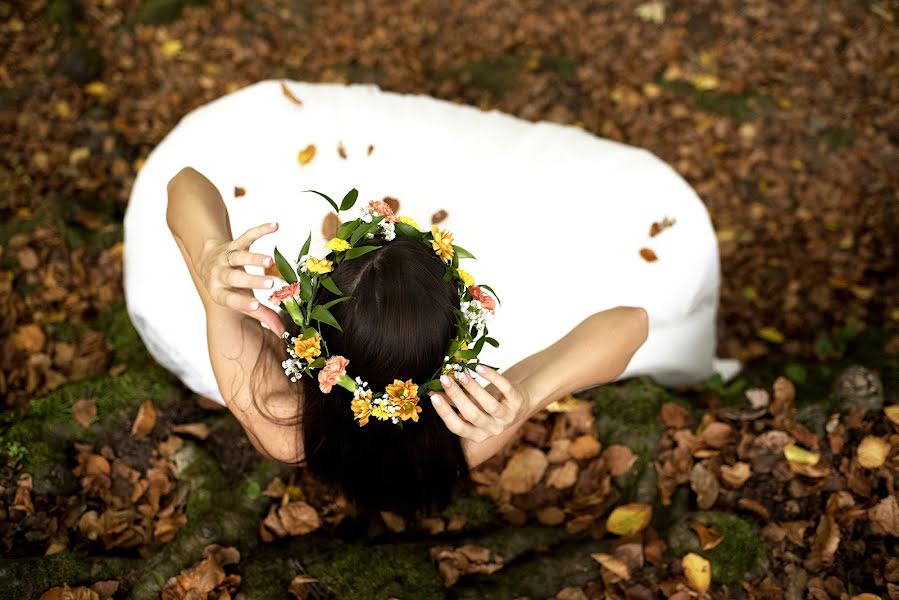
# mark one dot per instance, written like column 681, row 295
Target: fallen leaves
column 698, row 572
column 84, row 411
column 613, row 565
column 629, row 519
column 305, row 156
column 145, row 420
column 524, row 469
column 206, row 579
column 22, row 500
column 873, row 452
column 885, row 516
column 708, row 537
column 619, row 459
column 585, row 446
column 453, row 563
column 294, row 518
column 705, row 485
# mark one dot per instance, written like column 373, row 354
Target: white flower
column 301, row 264
column 389, row 230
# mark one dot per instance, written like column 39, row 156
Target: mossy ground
column 741, row 551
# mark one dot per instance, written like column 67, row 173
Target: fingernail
column 273, row 225
column 435, row 399
column 463, row 378
column 480, row 369
column 254, row 305
column 445, row 380
column 267, row 261
column 269, row 282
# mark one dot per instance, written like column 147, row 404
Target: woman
column 560, row 222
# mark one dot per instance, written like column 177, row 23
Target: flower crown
column 308, row 351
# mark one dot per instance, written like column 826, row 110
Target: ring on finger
column 228, row 257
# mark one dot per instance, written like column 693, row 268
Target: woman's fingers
column 269, row 318
column 452, row 420
column 472, row 412
column 238, row 278
column 244, row 258
column 482, row 396
column 254, row 233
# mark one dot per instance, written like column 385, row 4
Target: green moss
column 562, row 66
column 31, row 577
column 740, row 107
column 740, row 553
column 160, row 12
column 127, row 346
column 376, row 572
column 494, row 75
column 479, row 511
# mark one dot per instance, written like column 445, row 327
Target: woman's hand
column 481, row 415
column 221, row 271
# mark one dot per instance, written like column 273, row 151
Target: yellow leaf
column 801, row 456
column 306, row 154
column 866, row 597
column 698, row 572
column 99, row 90
column 614, row 565
column 629, row 519
column 873, row 452
column 567, row 404
column 171, row 47
column 704, row 81
column 651, row 12
column 771, row 334
column 892, row 413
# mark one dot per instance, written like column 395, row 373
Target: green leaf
column 492, row 342
column 344, row 231
column 406, row 229
column 455, row 260
column 334, row 204
column 329, row 285
column 318, row 363
column 310, row 332
column 323, row 315
column 287, row 272
column 449, row 274
column 350, row 199
column 362, row 230
column 433, row 385
column 467, row 354
column 359, row 251
column 254, row 490
column 305, row 287
column 305, row 248
column 462, row 252
column 336, row 301
column 490, row 289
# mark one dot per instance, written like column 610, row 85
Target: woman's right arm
column 198, row 220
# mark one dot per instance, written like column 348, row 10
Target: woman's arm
column 198, row 220
column 595, row 352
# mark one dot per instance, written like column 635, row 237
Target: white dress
column 555, row 216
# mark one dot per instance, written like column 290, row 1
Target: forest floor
column 783, row 116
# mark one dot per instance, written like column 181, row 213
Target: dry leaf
column 22, row 500
column 67, row 593
column 439, row 217
column 433, row 525
column 801, row 456
column 614, row 565
column 648, row 255
column 275, row 488
column 29, row 338
column 736, row 475
column 290, row 95
column 394, row 522
column 585, row 446
column 341, row 151
column 329, row 226
column 197, row 430
column 619, row 459
column 145, row 419
column 551, row 516
column 659, row 226
column 703, row 482
column 716, row 434
column 299, row 586
column 758, row 398
column 628, row 519
column 784, row 395
column 371, row 149
column 564, row 476
column 698, row 572
column 892, row 413
column 452, row 563
column 306, row 154
column 872, row 452
column 523, row 471
column 885, row 516
column 84, row 411
column 239, row 191
column 708, row 537
column 824, row 544
column 299, row 518
column 674, row 415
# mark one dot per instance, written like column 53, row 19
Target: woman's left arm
column 596, row 351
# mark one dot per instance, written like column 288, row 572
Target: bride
column 366, row 357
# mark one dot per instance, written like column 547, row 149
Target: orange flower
column 442, row 243
column 409, row 410
column 334, row 369
column 288, row 291
column 361, row 406
column 401, row 392
column 309, row 348
column 382, row 208
column 485, row 299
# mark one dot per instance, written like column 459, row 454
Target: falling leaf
column 872, row 452
column 299, row 518
column 439, row 217
column 306, row 154
column 651, row 12
column 800, row 456
column 628, row 519
column 197, row 430
column 648, row 255
column 619, row 459
column 708, row 537
column 736, row 475
column 892, row 413
column 615, row 566
column 171, row 48
column 329, row 226
column 84, row 411
column 290, row 95
column 393, row 203
column 239, row 191
column 341, row 151
column 771, row 334
column 523, row 471
column 585, row 446
column 564, row 476
column 698, row 572
column 371, row 149
column 659, row 226
column 145, row 419
column 885, row 516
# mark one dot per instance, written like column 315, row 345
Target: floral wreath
column 308, row 351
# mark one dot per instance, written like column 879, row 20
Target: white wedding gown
column 555, row 215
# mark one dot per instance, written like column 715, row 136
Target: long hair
column 397, row 325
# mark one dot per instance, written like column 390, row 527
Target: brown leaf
column 648, row 255
column 736, row 475
column 716, row 434
column 708, row 537
column 239, row 191
column 306, row 154
column 197, row 430
column 551, row 516
column 872, row 452
column 674, row 415
column 105, row 589
column 885, row 516
column 564, row 476
column 299, row 586
column 433, row 525
column 659, row 226
column 464, row 560
column 341, row 151
column 523, row 471
column 613, row 565
column 84, row 411
column 619, row 459
column 439, row 217
column 329, row 226
column 703, row 482
column 275, row 488
column 394, row 522
column 145, row 420
column 824, row 544
column 784, row 395
column 22, row 500
column 29, row 338
column 585, row 446
column 67, row 593
column 299, row 518
column 892, row 413
column 290, row 95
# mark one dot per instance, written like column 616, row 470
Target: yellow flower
column 408, row 221
column 308, row 349
column 337, row 245
column 442, row 243
column 319, row 266
column 466, row 277
column 362, row 408
column 400, row 392
column 409, row 410
column 380, row 412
